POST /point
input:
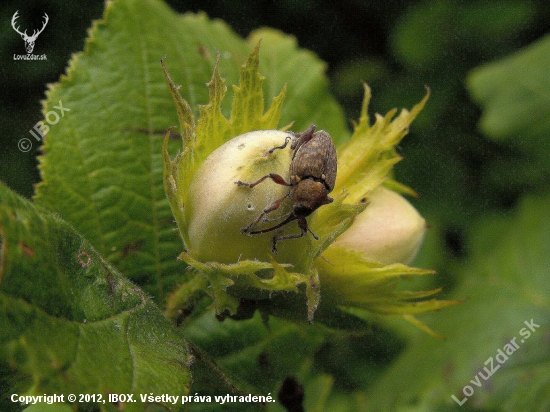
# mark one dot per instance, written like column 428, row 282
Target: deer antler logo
column 29, row 40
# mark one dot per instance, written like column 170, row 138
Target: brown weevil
column 312, row 177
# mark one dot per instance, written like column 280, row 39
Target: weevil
column 312, row 176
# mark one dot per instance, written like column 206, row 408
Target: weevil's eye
column 302, row 211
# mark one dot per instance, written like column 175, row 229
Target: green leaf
column 506, row 281
column 69, row 321
column 515, row 94
column 102, row 165
column 479, row 26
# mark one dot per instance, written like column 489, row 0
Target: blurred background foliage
column 398, row 48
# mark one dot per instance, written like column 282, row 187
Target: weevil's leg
column 289, row 218
column 273, row 206
column 287, row 139
column 303, row 137
column 273, row 176
column 302, row 224
column 312, row 234
column 265, row 219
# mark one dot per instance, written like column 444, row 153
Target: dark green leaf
column 515, row 95
column 69, row 321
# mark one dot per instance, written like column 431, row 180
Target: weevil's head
column 308, row 195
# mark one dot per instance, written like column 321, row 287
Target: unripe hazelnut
column 390, row 230
column 218, row 209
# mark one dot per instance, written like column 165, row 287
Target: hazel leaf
column 68, row 317
column 513, row 92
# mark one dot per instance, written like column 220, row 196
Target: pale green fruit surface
column 390, row 230
column 218, row 209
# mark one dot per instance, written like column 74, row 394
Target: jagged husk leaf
column 331, row 221
column 350, row 280
column 363, row 164
column 245, row 275
column 365, row 160
column 213, row 129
